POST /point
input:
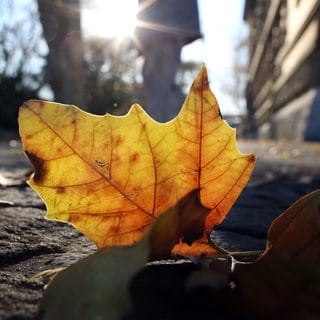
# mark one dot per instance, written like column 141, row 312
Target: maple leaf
column 284, row 282
column 285, row 233
column 111, row 176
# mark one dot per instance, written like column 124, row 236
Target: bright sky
column 221, row 25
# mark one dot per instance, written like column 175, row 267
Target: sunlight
column 108, row 18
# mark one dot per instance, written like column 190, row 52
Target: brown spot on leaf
column 61, row 190
column 117, row 140
column 39, row 167
column 114, row 229
column 74, row 218
column 134, row 157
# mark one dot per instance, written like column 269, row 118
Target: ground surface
column 30, row 244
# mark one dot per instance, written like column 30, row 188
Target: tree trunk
column 62, row 31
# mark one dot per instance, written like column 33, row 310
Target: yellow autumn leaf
column 111, row 176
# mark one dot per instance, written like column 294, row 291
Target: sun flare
column 107, row 18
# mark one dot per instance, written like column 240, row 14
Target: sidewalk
column 30, row 244
column 284, row 172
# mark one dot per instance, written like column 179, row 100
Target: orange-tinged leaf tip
column 197, row 248
column 183, row 223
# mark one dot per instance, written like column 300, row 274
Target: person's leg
column 162, row 61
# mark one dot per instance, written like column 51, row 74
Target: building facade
column 283, row 89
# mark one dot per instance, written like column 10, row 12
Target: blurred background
column 262, row 57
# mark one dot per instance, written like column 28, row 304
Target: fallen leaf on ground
column 285, row 282
column 112, row 176
column 97, row 287
column 295, row 234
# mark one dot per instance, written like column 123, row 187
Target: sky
column 221, row 24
